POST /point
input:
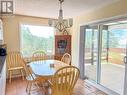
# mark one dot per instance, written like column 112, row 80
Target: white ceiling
column 49, row 8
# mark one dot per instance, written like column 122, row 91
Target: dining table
column 46, row 68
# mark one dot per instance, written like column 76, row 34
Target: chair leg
column 10, row 76
column 45, row 90
column 42, row 88
column 22, row 74
column 27, row 86
column 29, row 89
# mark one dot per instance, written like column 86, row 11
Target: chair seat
column 15, row 68
column 31, row 78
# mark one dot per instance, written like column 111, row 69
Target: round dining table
column 46, row 68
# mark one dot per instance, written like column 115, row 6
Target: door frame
column 125, row 78
column 81, row 52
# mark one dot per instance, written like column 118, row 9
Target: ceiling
column 50, row 8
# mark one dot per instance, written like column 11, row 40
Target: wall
column 114, row 9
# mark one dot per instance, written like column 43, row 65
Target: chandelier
column 62, row 25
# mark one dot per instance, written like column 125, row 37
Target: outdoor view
column 36, row 38
column 117, row 45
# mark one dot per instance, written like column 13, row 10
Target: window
column 36, row 38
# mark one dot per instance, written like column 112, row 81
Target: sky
column 41, row 31
column 121, row 35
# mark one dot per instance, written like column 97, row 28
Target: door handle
column 125, row 59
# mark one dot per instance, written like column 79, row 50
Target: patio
column 112, row 76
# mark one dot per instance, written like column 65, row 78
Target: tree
column 32, row 43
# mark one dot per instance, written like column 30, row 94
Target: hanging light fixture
column 61, row 24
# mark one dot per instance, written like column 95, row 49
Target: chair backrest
column 64, row 80
column 14, row 59
column 38, row 55
column 28, row 70
column 66, row 58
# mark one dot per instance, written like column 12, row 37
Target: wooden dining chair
column 32, row 80
column 66, row 58
column 64, row 80
column 38, row 55
column 14, row 63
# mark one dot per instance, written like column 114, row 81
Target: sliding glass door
column 104, row 56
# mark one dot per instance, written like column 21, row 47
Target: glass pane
column 113, row 52
column 36, row 38
column 90, row 56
